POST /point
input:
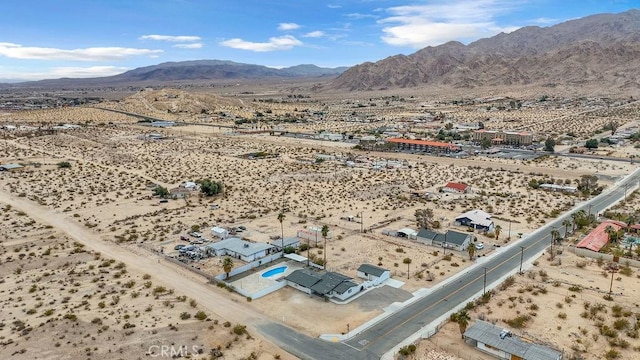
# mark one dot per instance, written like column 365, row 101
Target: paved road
column 382, row 337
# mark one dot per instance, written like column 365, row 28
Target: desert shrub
column 200, row 315
column 185, row 316
column 239, row 329
column 407, row 350
column 612, row 354
column 518, row 322
column 507, row 283
column 621, row 324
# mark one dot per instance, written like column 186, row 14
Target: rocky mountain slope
column 600, row 49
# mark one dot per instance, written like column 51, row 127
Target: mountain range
column 601, row 50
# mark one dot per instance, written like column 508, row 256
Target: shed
column 375, row 274
column 220, row 232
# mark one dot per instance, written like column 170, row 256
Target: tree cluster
column 210, row 188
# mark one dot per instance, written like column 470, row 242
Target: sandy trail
column 162, row 272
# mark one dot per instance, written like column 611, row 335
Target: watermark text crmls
column 173, row 351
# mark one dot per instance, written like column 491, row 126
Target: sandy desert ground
column 106, row 192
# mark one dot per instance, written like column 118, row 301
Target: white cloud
column 314, row 34
column 288, row 26
column 64, row 72
column 275, row 43
column 545, row 21
column 170, row 38
column 17, row 51
column 330, row 6
column 189, row 46
column 433, row 24
column 358, row 16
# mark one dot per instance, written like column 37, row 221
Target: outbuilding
column 375, row 274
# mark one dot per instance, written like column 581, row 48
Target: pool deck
column 254, row 282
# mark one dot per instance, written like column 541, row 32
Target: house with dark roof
column 458, row 188
column 503, row 344
column 328, row 284
column 375, row 274
column 454, row 240
column 476, row 219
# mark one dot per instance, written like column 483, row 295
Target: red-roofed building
column 422, row 145
column 453, row 187
column 598, row 237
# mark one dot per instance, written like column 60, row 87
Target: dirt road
column 162, row 272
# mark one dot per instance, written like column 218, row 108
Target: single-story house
column 293, row 242
column 454, row 240
column 328, row 284
column 9, row 167
column 220, row 232
column 426, row 236
column 555, row 187
column 458, row 188
column 599, row 237
column 239, row 249
column 375, row 274
column 477, row 219
column 179, row 193
column 503, row 344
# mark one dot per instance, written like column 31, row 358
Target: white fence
column 249, row 266
column 605, row 257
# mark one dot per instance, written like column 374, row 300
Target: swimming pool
column 274, row 271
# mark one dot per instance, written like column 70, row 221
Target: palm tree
column 611, row 232
column 408, row 262
column 471, row 249
column 574, row 217
column 566, row 223
column 227, row 265
column 497, row 230
column 281, row 219
column 462, row 319
column 325, row 233
column 630, row 221
column 555, row 234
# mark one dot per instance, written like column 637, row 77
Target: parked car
column 479, row 246
column 184, row 238
column 179, row 246
column 242, row 227
column 195, row 234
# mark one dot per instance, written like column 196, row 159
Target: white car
column 479, row 246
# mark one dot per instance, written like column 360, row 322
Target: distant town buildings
column 500, row 137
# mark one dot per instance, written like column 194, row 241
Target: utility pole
column 361, row 222
column 484, row 286
column 509, row 236
column 612, row 269
column 521, row 257
column 589, row 214
column 444, row 245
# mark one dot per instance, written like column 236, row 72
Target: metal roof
column 11, row 166
column 487, row 333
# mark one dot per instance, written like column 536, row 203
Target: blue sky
column 43, row 39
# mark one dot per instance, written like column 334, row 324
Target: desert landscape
column 101, row 176
column 210, row 209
